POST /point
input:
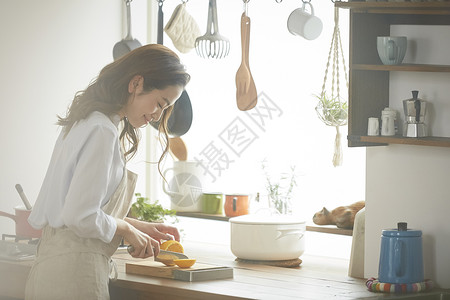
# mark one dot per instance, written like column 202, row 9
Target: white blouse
column 85, row 169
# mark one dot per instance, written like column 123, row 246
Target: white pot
column 262, row 237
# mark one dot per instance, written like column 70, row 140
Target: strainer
column 212, row 44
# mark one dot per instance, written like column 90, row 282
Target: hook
column 246, row 6
column 308, row 1
column 278, row 1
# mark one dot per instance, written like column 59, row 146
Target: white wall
column 50, row 50
column 411, row 183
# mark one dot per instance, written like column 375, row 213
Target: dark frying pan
column 181, row 118
column 128, row 43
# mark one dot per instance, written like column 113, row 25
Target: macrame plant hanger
column 331, row 110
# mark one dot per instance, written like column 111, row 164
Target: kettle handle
column 165, row 184
column 398, row 254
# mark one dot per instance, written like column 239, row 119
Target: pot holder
column 374, row 285
column 182, row 29
column 290, row 263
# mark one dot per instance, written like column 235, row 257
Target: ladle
column 246, row 95
column 127, row 44
column 212, row 44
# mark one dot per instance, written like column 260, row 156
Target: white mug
column 391, row 49
column 184, row 185
column 304, row 24
column 373, row 127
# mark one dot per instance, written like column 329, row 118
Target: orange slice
column 184, row 263
column 173, row 246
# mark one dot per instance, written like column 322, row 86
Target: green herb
column 150, row 212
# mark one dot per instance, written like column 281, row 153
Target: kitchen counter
column 317, row 278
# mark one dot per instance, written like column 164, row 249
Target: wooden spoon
column 246, row 95
column 177, row 148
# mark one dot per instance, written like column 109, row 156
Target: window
column 288, row 71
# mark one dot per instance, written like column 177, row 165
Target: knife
column 163, row 255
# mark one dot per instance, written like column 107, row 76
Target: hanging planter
column 331, row 109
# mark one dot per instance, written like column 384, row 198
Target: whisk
column 212, row 44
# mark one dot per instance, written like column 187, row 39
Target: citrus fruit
column 184, row 263
column 173, row 246
column 166, row 259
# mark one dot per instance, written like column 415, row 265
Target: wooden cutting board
column 198, row 272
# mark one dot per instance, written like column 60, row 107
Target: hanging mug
column 304, row 24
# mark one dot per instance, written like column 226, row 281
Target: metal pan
column 128, row 43
column 181, row 118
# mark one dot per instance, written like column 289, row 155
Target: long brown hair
column 108, row 93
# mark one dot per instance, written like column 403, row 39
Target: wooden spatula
column 177, row 148
column 246, row 96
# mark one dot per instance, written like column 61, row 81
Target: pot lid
column 261, row 219
column 180, row 119
column 401, row 231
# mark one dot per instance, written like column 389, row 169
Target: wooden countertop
column 316, row 278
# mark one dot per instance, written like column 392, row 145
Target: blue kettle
column 401, row 259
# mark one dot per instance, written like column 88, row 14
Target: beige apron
column 70, row 267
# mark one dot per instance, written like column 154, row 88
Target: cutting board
column 197, row 272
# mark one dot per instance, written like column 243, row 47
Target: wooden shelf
column 203, row 216
column 369, row 79
column 324, row 229
column 329, row 229
column 402, row 68
column 384, row 140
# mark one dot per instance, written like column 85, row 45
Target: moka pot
column 414, row 110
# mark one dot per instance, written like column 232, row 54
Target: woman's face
column 144, row 107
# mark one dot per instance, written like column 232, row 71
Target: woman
column 87, row 190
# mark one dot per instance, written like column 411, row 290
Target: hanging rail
column 304, row 1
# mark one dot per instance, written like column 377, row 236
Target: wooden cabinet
column 369, row 78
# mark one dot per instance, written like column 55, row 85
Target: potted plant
column 151, row 212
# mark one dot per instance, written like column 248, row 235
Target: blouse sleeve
column 82, row 211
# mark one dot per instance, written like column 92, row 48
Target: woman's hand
column 144, row 246
column 157, row 231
